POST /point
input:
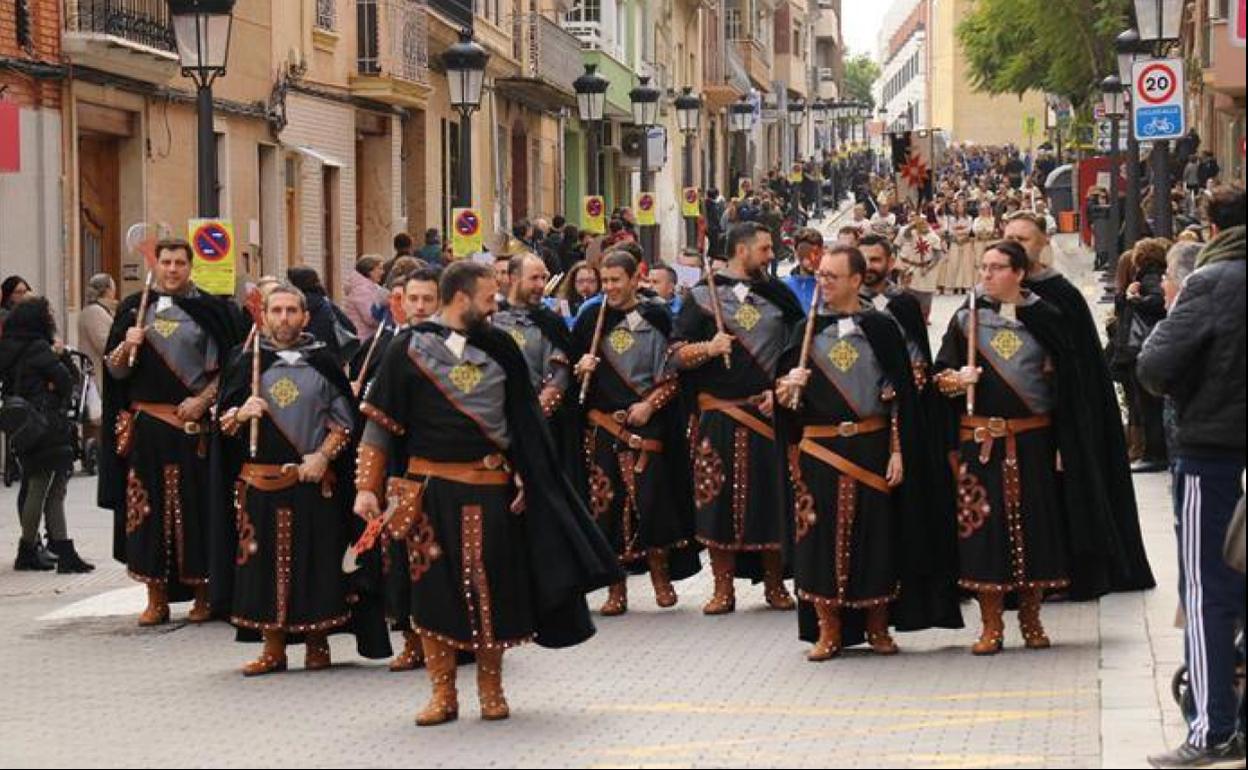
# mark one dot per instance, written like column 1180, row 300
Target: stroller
column 1181, row 690
column 85, row 444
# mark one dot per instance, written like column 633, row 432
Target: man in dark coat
column 501, row 549
column 161, row 377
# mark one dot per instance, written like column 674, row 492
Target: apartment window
column 585, row 11
column 326, row 14
column 22, row 22
column 732, row 21
column 366, row 37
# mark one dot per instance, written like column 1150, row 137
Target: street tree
column 860, row 72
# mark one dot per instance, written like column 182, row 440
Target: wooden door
column 100, row 235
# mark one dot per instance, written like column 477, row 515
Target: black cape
column 565, row 425
column 568, row 553
column 926, row 544
column 1109, row 470
column 220, row 319
column 682, row 562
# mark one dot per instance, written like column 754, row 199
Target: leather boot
column 68, row 561
column 1029, row 600
column 877, row 631
column 777, row 596
column 664, row 593
column 272, row 658
column 490, row 685
column 29, row 559
column 316, row 652
column 157, row 611
column 443, row 703
column 829, row 644
column 991, row 605
column 617, row 600
column 412, row 657
column 201, row 609
column 723, row 568
column 1135, row 442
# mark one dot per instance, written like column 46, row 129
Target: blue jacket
column 803, row 287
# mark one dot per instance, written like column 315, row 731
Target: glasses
column 827, row 277
column 993, row 267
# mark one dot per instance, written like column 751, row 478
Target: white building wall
column 31, row 242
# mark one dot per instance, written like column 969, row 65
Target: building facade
column 1216, row 91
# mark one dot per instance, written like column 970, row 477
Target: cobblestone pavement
column 654, row 688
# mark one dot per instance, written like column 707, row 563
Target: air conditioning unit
column 631, row 144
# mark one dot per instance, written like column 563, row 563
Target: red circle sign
column 691, row 195
column 646, row 202
column 211, row 242
column 1157, row 83
column 468, row 224
column 594, row 207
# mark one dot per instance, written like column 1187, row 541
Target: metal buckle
column 997, row 427
column 634, row 441
column 620, row 416
column 847, row 429
column 192, row 428
column 493, row 462
column 980, row 435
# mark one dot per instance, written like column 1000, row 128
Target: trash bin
column 1068, row 222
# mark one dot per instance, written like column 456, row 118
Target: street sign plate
column 1157, row 89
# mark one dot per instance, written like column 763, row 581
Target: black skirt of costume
column 166, row 536
column 469, row 566
column 846, row 558
column 736, row 479
column 288, row 573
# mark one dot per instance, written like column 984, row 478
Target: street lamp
column 740, row 118
column 1129, row 48
column 1159, row 20
column 645, row 101
column 1159, row 23
column 591, row 102
column 202, row 31
column 797, row 116
column 465, row 76
column 688, row 113
column 1112, row 101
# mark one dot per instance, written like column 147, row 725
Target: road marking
column 121, row 601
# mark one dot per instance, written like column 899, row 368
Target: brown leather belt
column 489, row 471
column 268, row 477
column 847, row 429
column 708, row 403
column 847, row 467
column 168, row 414
column 613, row 424
column 986, row 430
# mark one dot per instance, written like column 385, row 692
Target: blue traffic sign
column 1159, row 122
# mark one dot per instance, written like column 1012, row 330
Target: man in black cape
column 1027, row 524
column 1110, row 473
column 160, row 379
column 870, row 550
column 635, row 453
column 737, row 480
column 502, row 550
column 292, row 498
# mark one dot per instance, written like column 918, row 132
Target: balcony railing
column 827, row 74
column 589, row 33
column 546, row 51
column 393, row 39
column 458, row 12
column 326, row 14
column 145, row 22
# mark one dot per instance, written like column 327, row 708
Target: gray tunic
column 638, row 353
column 849, row 363
column 474, row 383
column 1015, row 354
column 755, row 322
column 302, row 403
column 547, row 363
column 189, row 351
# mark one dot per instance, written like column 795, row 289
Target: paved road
column 653, row 688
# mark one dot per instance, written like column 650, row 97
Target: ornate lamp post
column 591, row 101
column 688, row 115
column 465, row 74
column 645, row 101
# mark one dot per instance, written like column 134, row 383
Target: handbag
column 21, row 419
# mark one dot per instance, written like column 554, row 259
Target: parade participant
column 634, row 452
column 162, row 375
column 729, row 342
column 292, row 505
column 920, row 251
column 1023, row 515
column 887, row 297
column 849, row 235
column 539, row 332
column 842, row 409
column 960, row 264
column 1104, row 433
column 501, row 549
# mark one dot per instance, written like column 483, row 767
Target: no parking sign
column 647, row 205
column 1157, row 90
column 467, row 237
column 215, row 254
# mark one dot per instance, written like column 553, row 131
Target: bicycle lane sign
column 1157, row 91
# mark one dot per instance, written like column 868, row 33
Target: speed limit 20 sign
column 1157, row 90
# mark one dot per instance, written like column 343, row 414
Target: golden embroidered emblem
column 1006, row 343
column 284, row 392
column 466, row 377
column 843, row 356
column 164, row 327
column 621, row 340
column 518, row 336
column 747, row 317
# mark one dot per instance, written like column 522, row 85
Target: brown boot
column 777, row 596
column 723, row 568
column 490, row 685
column 617, row 600
column 1135, row 443
column 877, row 631
column 201, row 610
column 829, row 644
column 443, row 703
column 157, row 612
column 411, row 657
column 273, row 658
column 316, row 652
column 1034, row 638
column 991, row 605
column 664, row 593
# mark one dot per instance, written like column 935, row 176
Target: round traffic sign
column 1157, row 83
column 594, row 207
column 467, row 224
column 691, row 195
column 211, row 242
column 646, row 202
